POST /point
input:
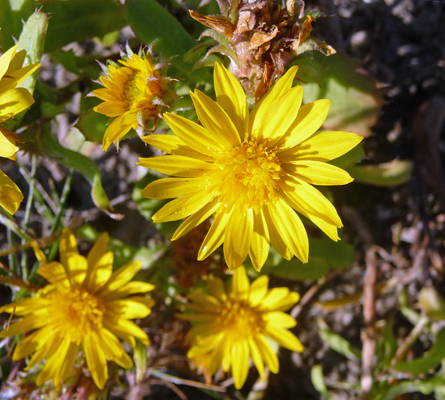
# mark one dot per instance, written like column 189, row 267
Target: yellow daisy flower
column 236, row 325
column 135, row 94
column 85, row 304
column 252, row 171
column 12, row 101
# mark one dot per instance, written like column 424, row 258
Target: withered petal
column 219, row 24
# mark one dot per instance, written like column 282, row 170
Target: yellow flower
column 12, row 101
column 135, row 94
column 85, row 304
column 235, row 325
column 250, row 170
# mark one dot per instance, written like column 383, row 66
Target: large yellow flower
column 85, row 304
column 250, row 170
column 12, row 101
column 233, row 326
column 135, row 93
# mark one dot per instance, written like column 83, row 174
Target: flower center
column 248, row 175
column 76, row 312
column 134, row 87
column 239, row 319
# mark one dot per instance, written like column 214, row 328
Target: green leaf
column 349, row 159
column 318, row 381
column 140, row 358
column 431, row 360
column 32, row 40
column 85, row 66
column 12, row 15
column 336, row 342
column 152, row 22
column 424, row 387
column 355, row 98
column 75, row 20
column 323, row 254
column 86, row 166
column 432, row 303
column 93, row 126
column 388, row 174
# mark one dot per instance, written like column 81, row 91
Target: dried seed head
column 261, row 38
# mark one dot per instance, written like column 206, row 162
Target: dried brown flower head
column 261, row 38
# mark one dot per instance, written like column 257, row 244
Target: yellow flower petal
column 267, row 353
column 278, row 319
column 230, row 96
column 10, row 194
column 120, row 277
column 7, row 148
column 256, row 356
column 168, row 188
column 5, row 60
column 48, row 343
column 67, row 245
column 308, row 199
column 275, row 237
column 216, row 288
column 122, row 326
column 240, row 283
column 240, row 363
column 129, row 289
column 204, row 345
column 238, row 237
column 14, row 78
column 291, row 229
column 274, row 297
column 310, row 117
column 113, row 349
column 215, row 235
column 176, row 165
column 258, row 290
column 259, row 247
column 55, row 363
column 280, row 116
column 97, row 364
column 215, row 120
column 98, row 250
column 118, row 128
column 193, row 135
column 128, row 309
column 284, row 338
column 77, row 267
column 284, row 303
column 65, row 370
column 14, row 101
column 196, row 219
column 28, row 345
column 55, row 273
column 217, row 357
column 207, row 302
column 173, row 145
column 281, row 87
column 113, row 108
column 324, row 146
column 318, row 173
column 182, row 207
column 26, row 324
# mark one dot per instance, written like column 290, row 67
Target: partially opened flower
column 251, row 171
column 12, row 101
column 232, row 326
column 85, row 305
column 135, row 94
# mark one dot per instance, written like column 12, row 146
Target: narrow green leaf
column 32, row 40
column 12, row 15
column 431, row 360
column 388, row 174
column 76, row 20
column 318, row 381
column 424, row 387
column 324, row 254
column 152, row 22
column 336, row 342
column 82, row 164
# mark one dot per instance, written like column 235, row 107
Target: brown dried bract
column 264, row 36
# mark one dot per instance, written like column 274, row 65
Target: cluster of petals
column 250, row 170
column 85, row 305
column 233, row 326
column 12, row 101
column 132, row 96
